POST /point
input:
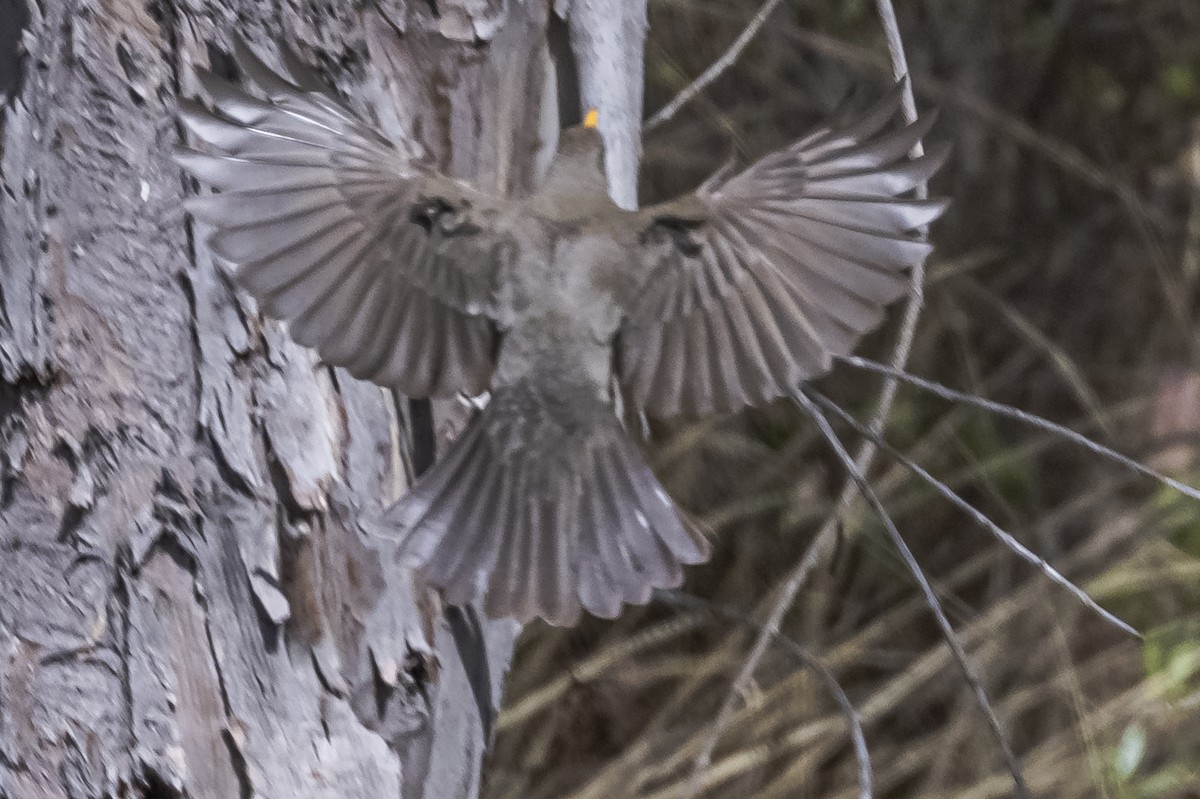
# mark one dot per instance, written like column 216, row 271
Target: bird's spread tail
column 544, row 507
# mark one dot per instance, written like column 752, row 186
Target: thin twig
column 931, row 598
column 806, row 658
column 999, row 408
column 816, row 552
column 1148, row 222
column 1059, row 360
column 714, row 70
column 823, row 543
column 1070, row 159
column 545, row 695
column 978, row 516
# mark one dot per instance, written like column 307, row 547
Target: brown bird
column 727, row 297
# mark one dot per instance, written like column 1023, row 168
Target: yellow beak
column 592, row 119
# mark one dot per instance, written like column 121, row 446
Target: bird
column 551, row 304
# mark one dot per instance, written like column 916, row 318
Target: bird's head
column 578, row 166
column 583, row 142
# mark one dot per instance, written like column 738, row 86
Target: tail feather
column 425, row 509
column 501, row 582
column 680, row 543
column 529, row 554
column 556, row 580
column 606, row 560
column 652, row 563
column 481, row 491
column 465, row 575
column 544, row 508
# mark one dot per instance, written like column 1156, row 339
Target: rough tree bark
column 188, row 605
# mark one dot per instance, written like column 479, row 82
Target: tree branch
column 945, row 392
column 714, row 70
column 978, row 516
column 931, row 598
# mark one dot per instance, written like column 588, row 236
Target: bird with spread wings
column 727, row 297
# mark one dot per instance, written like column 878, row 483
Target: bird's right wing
column 384, row 266
column 754, row 282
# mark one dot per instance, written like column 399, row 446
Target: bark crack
column 232, row 733
column 123, row 575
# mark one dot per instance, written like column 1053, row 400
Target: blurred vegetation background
column 1065, row 282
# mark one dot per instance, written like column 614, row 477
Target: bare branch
column 978, row 516
column 805, row 658
column 931, row 599
column 714, row 70
column 1000, row 409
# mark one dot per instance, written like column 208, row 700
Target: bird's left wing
column 383, row 265
column 753, row 283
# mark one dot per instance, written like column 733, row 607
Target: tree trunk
column 188, row 605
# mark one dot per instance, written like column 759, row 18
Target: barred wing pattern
column 756, row 282
column 383, row 266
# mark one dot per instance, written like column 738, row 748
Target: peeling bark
column 188, row 605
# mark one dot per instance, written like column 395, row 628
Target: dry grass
column 1066, row 282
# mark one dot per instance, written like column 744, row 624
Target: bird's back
column 566, row 297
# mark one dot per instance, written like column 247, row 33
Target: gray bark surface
column 188, row 605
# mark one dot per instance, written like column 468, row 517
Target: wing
column 754, row 283
column 385, row 267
